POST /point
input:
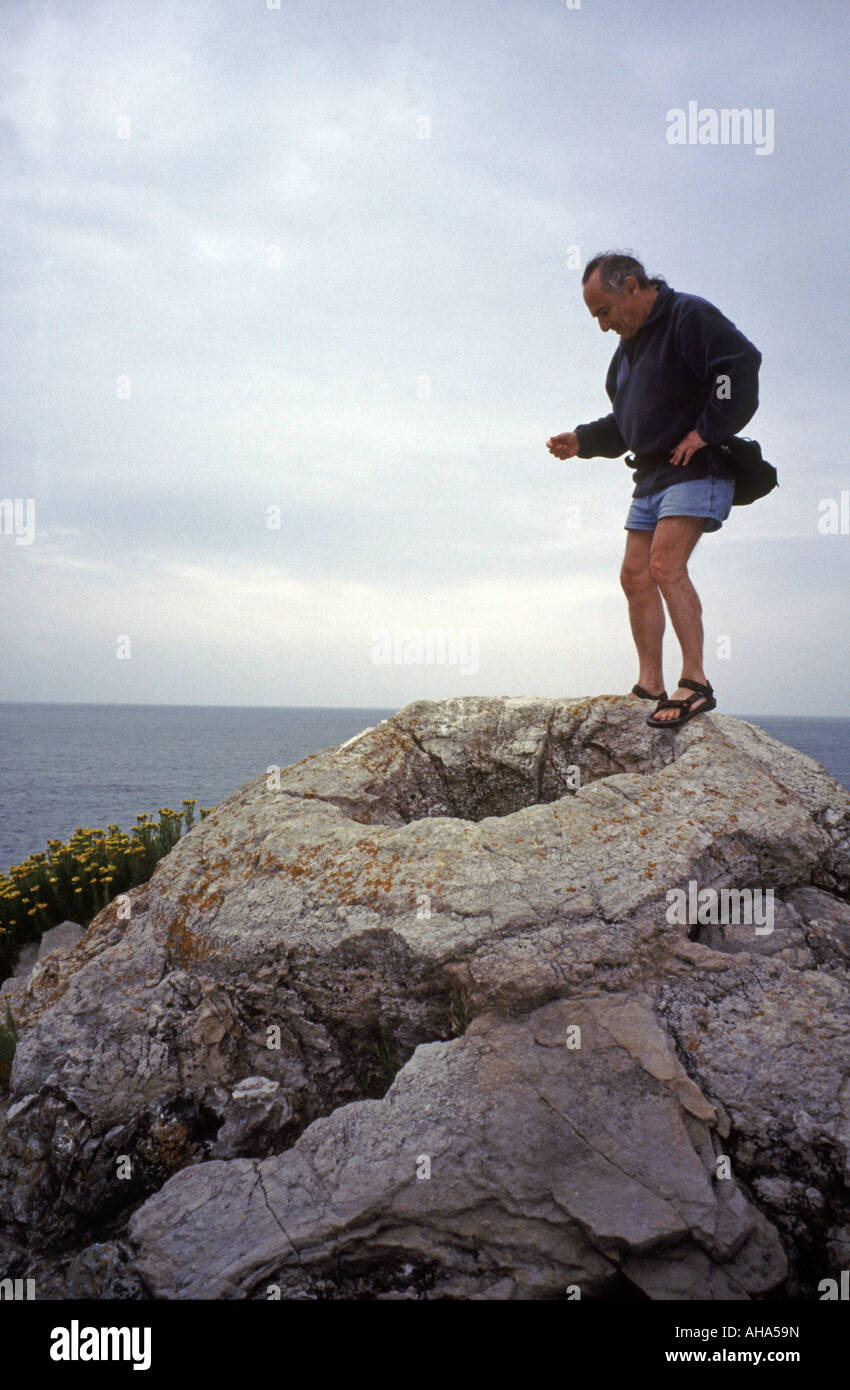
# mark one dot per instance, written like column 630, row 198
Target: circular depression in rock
column 473, row 763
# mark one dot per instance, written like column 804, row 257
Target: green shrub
column 8, row 1043
column 76, row 880
column 458, row 1016
column 385, row 1053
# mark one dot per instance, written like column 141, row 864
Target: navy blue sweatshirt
column 664, row 382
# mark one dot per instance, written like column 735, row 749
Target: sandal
column 687, row 713
column 645, row 695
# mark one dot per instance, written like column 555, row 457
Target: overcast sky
column 291, row 307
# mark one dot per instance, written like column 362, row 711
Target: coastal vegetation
column 8, row 1043
column 74, row 881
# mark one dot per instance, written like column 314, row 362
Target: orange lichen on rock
column 359, row 881
column 185, row 945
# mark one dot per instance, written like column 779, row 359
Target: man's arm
column 601, row 439
column 719, row 354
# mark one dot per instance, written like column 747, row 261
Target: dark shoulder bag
column 754, row 476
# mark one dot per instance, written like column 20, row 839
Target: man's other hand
column 686, row 448
column 563, row 446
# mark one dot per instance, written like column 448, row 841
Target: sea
column 64, row 766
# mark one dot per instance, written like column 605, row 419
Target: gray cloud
column 236, row 277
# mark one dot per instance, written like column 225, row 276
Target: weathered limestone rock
column 61, row 938
column 27, row 957
column 510, row 1159
column 774, row 1043
column 826, row 926
column 465, row 858
column 253, row 1110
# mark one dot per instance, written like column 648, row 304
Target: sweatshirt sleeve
column 602, row 438
column 728, row 363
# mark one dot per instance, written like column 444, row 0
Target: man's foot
column 645, row 695
column 689, row 699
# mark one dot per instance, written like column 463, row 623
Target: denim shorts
column 708, row 497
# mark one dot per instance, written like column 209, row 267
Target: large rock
column 465, row 858
column 61, row 938
column 525, row 1159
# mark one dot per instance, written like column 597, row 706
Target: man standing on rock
column 683, row 379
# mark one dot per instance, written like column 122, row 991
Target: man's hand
column 563, row 446
column 686, row 448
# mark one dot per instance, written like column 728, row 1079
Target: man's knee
column 672, row 544
column 666, row 568
column 636, row 580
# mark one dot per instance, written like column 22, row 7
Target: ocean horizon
column 65, row 765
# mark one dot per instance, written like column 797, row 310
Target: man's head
column 618, row 293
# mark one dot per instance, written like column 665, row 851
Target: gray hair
column 615, row 267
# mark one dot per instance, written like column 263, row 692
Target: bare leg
column 673, row 540
column 646, row 611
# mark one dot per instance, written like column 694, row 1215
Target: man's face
column 620, row 310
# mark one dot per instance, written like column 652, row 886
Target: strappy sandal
column 687, row 713
column 645, row 695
